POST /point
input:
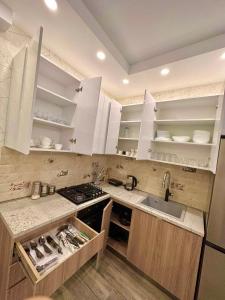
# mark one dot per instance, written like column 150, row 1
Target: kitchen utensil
column 131, row 184
column 36, row 190
column 181, row 138
column 58, row 146
column 27, row 250
column 53, row 243
column 126, row 132
column 52, row 261
column 33, row 246
column 72, row 238
column 42, row 243
column 51, row 189
column 44, row 189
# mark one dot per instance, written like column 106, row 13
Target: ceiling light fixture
column 222, row 56
column 101, row 55
column 165, row 72
column 51, row 4
column 126, row 81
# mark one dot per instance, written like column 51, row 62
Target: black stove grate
column 79, row 194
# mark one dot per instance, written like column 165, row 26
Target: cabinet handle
column 149, row 150
column 73, row 141
column 79, row 89
column 155, row 109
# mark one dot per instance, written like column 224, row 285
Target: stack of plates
column 201, row 136
column 163, row 135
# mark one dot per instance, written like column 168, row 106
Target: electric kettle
column 131, row 184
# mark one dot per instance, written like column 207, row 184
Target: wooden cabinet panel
column 165, row 252
column 20, row 291
column 106, row 221
column 16, row 274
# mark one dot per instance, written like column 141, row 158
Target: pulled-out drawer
column 51, row 280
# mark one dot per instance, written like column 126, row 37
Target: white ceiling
column 129, row 37
column 148, row 28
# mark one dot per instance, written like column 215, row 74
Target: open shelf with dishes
column 178, row 129
column 129, row 130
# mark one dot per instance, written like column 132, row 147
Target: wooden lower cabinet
column 166, row 253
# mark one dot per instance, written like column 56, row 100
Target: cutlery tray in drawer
column 66, row 258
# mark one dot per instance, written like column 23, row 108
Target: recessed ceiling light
column 51, row 4
column 101, row 55
column 222, row 56
column 164, row 71
column 126, row 81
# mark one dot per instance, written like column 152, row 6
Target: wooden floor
column 115, row 280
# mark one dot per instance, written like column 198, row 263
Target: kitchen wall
column 17, row 171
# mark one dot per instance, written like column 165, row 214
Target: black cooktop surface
column 79, row 194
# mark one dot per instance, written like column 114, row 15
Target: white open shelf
column 185, row 143
column 188, row 102
column 185, row 122
column 179, row 164
column 47, row 95
column 51, row 123
column 128, row 138
column 36, row 149
column 131, row 123
column 132, row 107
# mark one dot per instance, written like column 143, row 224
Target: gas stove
column 79, row 194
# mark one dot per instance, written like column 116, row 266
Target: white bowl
column 181, row 138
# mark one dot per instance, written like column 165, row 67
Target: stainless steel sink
column 171, row 208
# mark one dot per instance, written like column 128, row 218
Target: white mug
column 58, row 146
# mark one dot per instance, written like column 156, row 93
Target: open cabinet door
column 106, row 221
column 113, row 127
column 22, row 95
column 85, row 116
column 101, row 126
column 218, row 129
column 147, row 130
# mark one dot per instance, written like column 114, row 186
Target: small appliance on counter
column 131, row 183
column 115, row 182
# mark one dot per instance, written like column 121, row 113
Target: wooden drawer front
column 50, row 281
column 16, row 274
column 20, row 291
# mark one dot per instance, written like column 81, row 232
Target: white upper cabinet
column 113, row 127
column 101, row 126
column 147, row 131
column 85, row 116
column 45, row 100
column 22, row 95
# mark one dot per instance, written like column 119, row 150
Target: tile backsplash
column 17, row 171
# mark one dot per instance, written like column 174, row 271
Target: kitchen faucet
column 166, row 185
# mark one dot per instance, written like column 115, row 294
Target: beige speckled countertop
column 193, row 219
column 24, row 215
